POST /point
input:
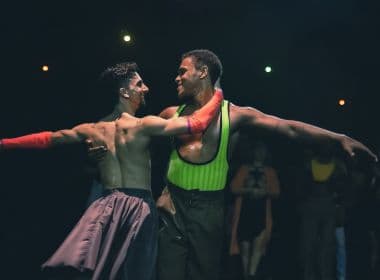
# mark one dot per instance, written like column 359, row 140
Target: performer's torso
column 127, row 161
column 200, row 161
column 199, row 148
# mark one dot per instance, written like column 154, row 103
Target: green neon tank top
column 208, row 176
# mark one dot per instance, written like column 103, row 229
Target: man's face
column 137, row 90
column 188, row 79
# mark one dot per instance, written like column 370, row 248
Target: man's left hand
column 352, row 146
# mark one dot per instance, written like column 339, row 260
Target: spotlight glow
column 268, row 69
column 342, row 102
column 45, row 68
column 127, row 38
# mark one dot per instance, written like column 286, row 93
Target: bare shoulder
column 81, row 130
column 168, row 112
column 93, row 129
column 109, row 125
column 125, row 116
column 127, row 121
column 253, row 118
column 241, row 114
column 84, row 127
column 243, row 110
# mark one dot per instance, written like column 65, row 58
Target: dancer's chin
column 184, row 98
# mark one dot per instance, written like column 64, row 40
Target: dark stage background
column 319, row 51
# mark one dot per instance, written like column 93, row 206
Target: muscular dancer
column 116, row 236
column 190, row 244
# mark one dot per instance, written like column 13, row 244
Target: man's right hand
column 95, row 153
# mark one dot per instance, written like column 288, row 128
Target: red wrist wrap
column 40, row 140
column 200, row 119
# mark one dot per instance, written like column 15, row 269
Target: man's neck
column 126, row 107
column 202, row 97
column 118, row 110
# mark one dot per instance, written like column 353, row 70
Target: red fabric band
column 200, row 119
column 40, row 140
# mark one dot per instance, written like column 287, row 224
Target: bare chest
column 200, row 147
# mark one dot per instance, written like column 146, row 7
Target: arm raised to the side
column 46, row 139
column 194, row 123
column 247, row 116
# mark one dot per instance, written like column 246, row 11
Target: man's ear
column 204, row 72
column 123, row 92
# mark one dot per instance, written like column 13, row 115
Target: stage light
column 45, row 68
column 127, row 38
column 268, row 69
column 342, row 102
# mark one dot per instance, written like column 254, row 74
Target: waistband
column 196, row 194
column 141, row 193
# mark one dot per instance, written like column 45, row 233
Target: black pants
column 317, row 239
column 191, row 240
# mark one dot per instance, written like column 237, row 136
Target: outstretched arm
column 44, row 140
column 194, row 123
column 299, row 131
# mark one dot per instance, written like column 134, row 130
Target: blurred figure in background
column 254, row 184
column 325, row 174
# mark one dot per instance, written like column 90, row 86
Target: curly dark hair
column 119, row 74
column 211, row 60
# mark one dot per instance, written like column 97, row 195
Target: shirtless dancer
column 117, row 235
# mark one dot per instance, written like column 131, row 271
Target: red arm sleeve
column 201, row 118
column 41, row 140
